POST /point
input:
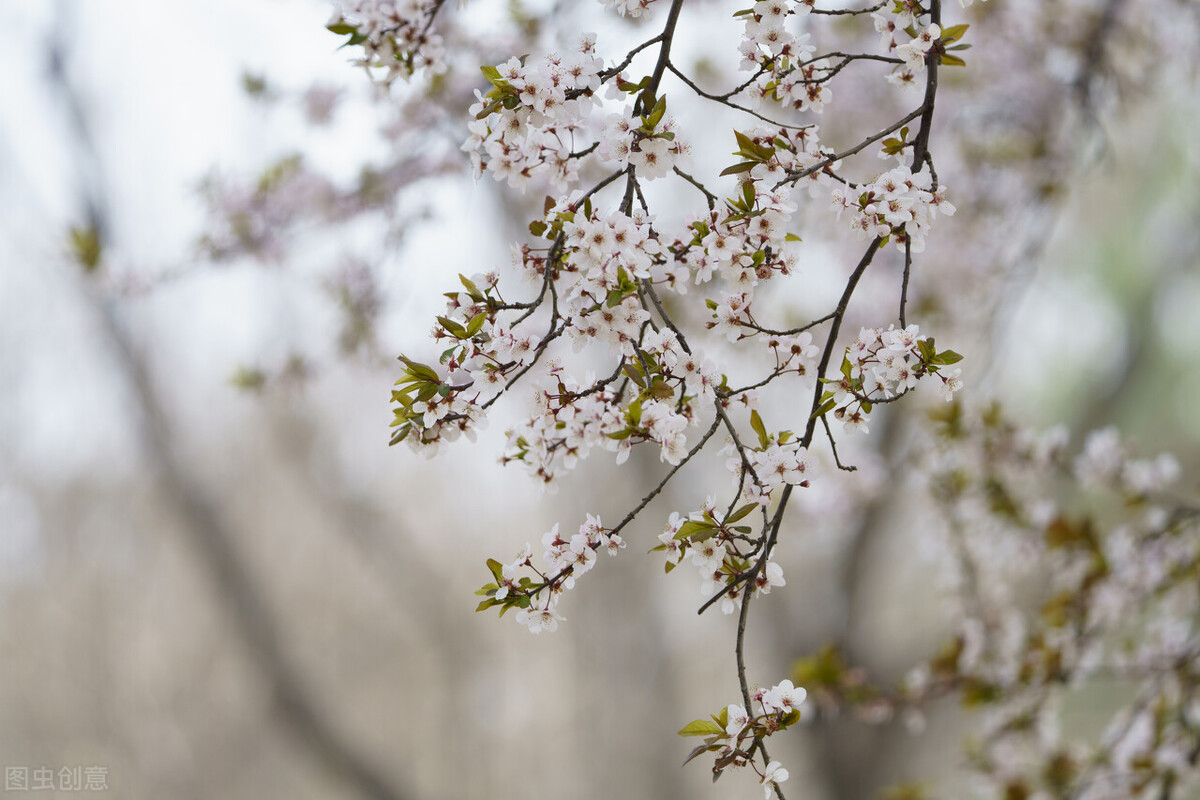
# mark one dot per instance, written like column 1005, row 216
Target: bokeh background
column 216, row 580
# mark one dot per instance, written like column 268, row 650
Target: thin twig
column 833, row 445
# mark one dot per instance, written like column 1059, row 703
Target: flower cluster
column 734, row 733
column 1105, row 464
column 748, row 240
column 785, row 71
column 881, row 366
column 255, row 217
column 631, row 8
column 531, row 116
column 395, row 35
column 718, row 548
column 562, row 562
column 597, row 268
column 650, row 143
column 778, row 459
column 913, row 54
column 569, row 421
column 915, row 51
column 1109, row 594
column 898, row 203
column 1101, row 562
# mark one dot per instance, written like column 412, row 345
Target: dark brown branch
column 904, row 282
column 833, row 446
column 921, row 143
column 836, row 157
column 724, row 100
column 664, row 56
column 663, row 483
column 792, row 331
column 834, row 329
column 709, row 197
column 847, row 11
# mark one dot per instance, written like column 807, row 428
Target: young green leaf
column 701, row 727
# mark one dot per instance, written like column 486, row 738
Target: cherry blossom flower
column 736, row 720
column 773, row 775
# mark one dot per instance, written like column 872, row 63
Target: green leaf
column 537, row 227
column 660, row 389
column 701, row 727
column 823, row 409
column 453, row 328
column 692, row 528
column 746, row 145
column 744, row 166
column 342, row 28
column 948, row 357
column 496, row 567
column 489, row 109
column 400, row 435
column 741, row 513
column 656, row 114
column 635, row 411
column 953, row 33
column 952, row 61
column 757, row 423
column 629, row 87
column 476, row 324
column 791, row 237
column 486, row 604
column 646, row 98
column 634, row 371
column 469, row 285
column 700, row 749
column 423, row 371
column 752, row 149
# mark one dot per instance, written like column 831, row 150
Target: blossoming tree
column 660, row 302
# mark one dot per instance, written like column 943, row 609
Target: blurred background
column 216, row 580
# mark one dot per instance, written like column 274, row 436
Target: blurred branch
column 247, row 609
column 1093, row 55
column 213, row 538
column 88, row 161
